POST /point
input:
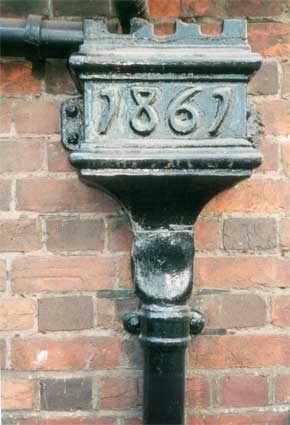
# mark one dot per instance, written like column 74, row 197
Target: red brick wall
column 64, row 275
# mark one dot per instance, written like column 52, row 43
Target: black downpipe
column 165, row 333
column 164, row 376
column 127, row 9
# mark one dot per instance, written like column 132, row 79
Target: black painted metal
column 163, row 127
column 36, row 38
column 164, row 335
column 128, row 9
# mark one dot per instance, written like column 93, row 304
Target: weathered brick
column 20, row 235
column 282, row 389
column 120, row 393
column 65, row 313
column 75, row 234
column 16, row 394
column 232, row 310
column 132, row 353
column 62, row 274
column 68, row 354
column 22, row 8
column 270, row 152
column 119, row 235
column 197, row 393
column 285, row 233
column 57, row 158
column 255, row 8
column 269, row 38
column 16, row 314
column 50, row 195
column 69, row 421
column 195, row 8
column 37, row 116
column 206, row 234
column 106, row 313
column 163, row 8
column 110, row 312
column 11, row 73
column 243, row 391
column 2, row 353
column 21, row 156
column 242, row 272
column 285, row 153
column 89, row 8
column 6, row 116
column 133, row 421
column 266, row 81
column 240, row 419
column 253, row 196
column 66, row 394
column 277, row 123
column 286, row 77
column 211, row 28
column 5, row 195
column 3, row 275
column 245, row 234
column 57, row 77
column 124, row 272
column 281, row 311
column 164, row 28
column 240, row 351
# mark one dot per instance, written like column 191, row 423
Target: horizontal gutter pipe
column 36, row 38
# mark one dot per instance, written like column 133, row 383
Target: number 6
column 183, row 116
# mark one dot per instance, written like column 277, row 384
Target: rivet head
column 132, row 323
column 73, row 139
column 197, row 323
column 71, row 111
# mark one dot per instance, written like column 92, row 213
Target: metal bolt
column 197, row 323
column 71, row 111
column 132, row 323
column 73, row 139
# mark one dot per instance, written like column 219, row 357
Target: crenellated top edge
column 142, row 32
column 187, row 50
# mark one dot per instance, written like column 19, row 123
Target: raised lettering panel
column 164, row 111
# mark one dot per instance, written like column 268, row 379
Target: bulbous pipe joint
column 163, row 275
column 133, row 322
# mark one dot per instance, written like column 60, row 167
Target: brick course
column 67, row 354
column 66, row 394
column 62, row 274
column 65, row 313
column 16, row 314
column 243, row 391
column 65, row 272
column 10, row 75
column 16, row 394
column 73, row 234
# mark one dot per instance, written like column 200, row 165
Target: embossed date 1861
column 182, row 115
